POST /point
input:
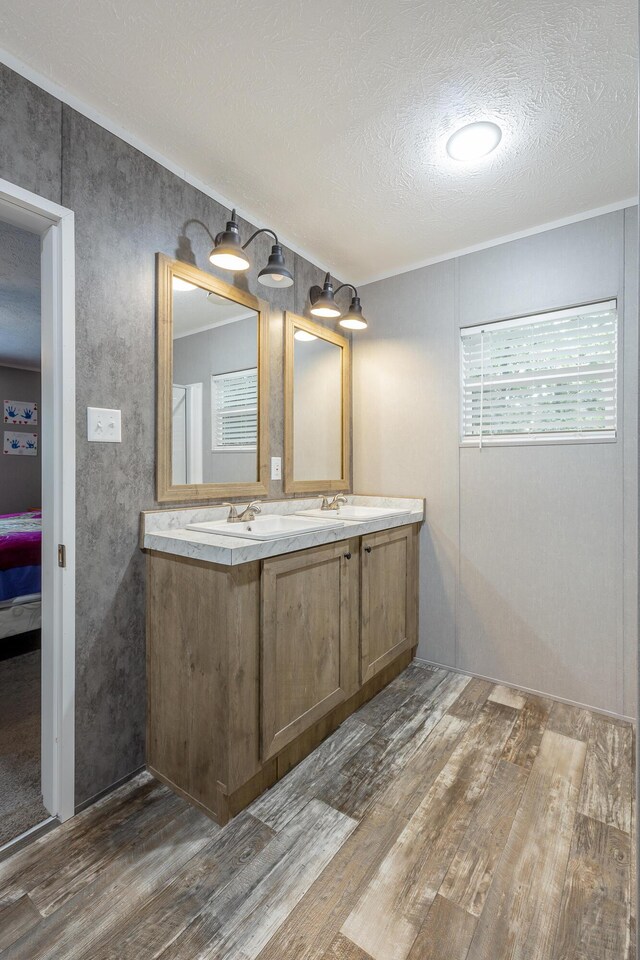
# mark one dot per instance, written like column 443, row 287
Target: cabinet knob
column 347, row 556
column 367, row 549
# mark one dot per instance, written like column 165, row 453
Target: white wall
column 528, row 568
column 317, row 410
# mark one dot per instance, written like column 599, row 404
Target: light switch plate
column 276, row 468
column 103, row 426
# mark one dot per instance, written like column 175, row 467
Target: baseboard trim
column 103, row 793
column 538, row 693
column 13, row 846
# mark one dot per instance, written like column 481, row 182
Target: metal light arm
column 201, row 224
column 233, row 218
column 257, row 234
column 351, row 287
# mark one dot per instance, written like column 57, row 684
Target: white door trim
column 194, row 432
column 55, row 225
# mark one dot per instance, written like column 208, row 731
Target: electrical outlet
column 103, row 426
column 276, row 468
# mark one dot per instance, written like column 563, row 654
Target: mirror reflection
column 214, row 389
column 317, row 408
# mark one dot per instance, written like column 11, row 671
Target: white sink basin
column 265, row 527
column 350, row 511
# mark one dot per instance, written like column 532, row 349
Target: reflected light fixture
column 182, row 285
column 229, row 254
column 473, row 141
column 323, row 304
column 304, row 336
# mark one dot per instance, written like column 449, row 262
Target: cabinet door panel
column 389, row 615
column 309, row 639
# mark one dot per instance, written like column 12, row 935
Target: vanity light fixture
column 323, row 304
column 183, row 285
column 229, row 254
column 474, row 140
column 227, row 250
column 275, row 274
column 353, row 318
column 304, row 336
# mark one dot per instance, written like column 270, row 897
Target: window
column 234, row 411
column 550, row 377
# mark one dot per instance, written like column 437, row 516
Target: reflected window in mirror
column 234, row 411
column 215, row 355
column 214, row 336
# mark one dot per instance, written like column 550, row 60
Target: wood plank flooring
column 448, row 819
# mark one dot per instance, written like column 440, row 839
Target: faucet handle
column 249, row 512
column 333, row 503
column 233, row 513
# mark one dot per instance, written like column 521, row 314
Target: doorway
column 38, row 622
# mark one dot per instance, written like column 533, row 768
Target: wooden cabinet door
column 389, row 620
column 309, row 639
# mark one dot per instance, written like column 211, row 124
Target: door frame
column 193, row 433
column 55, row 226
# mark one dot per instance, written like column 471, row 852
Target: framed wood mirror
column 212, row 387
column 317, row 408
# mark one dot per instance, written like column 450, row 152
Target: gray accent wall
column 127, row 207
column 528, row 567
column 19, row 298
column 20, row 477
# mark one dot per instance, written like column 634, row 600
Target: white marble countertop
column 165, row 530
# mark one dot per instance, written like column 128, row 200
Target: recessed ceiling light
column 473, row 141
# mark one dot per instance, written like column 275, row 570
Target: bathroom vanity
column 257, row 650
column 265, row 633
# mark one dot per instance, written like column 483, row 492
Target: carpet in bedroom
column 20, row 798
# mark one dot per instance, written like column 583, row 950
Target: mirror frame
column 341, row 484
column 166, row 490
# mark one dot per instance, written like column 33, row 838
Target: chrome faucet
column 249, row 512
column 333, row 504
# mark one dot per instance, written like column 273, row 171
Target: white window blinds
column 234, row 411
column 546, row 377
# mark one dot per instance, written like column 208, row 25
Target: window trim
column 540, row 439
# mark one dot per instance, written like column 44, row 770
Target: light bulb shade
column 275, row 274
column 323, row 303
column 227, row 252
column 353, row 318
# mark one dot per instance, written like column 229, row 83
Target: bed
column 20, row 572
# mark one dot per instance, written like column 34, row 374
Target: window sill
column 524, row 441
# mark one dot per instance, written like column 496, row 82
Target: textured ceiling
column 328, row 119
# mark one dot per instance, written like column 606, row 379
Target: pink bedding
column 20, row 539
